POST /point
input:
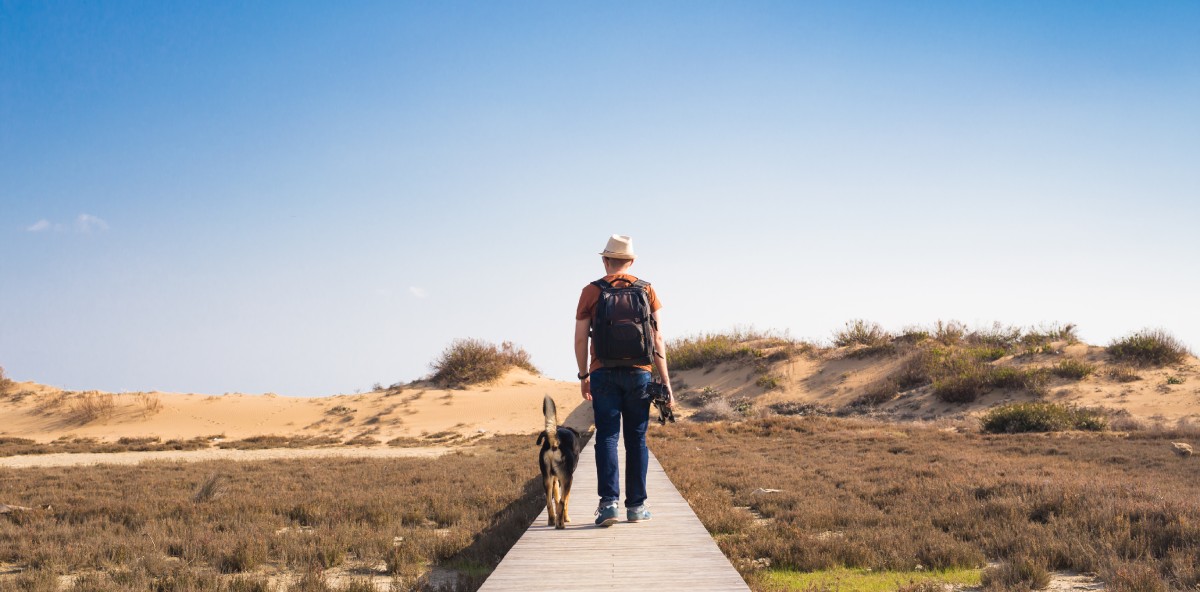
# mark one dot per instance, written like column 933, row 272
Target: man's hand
column 585, row 389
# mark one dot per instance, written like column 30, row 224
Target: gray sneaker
column 638, row 514
column 606, row 515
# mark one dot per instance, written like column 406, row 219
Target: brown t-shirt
column 591, row 296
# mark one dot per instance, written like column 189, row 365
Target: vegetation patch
column 888, row 497
column 1149, row 347
column 709, row 349
column 862, row 333
column 473, row 361
column 1073, row 369
column 224, row 526
column 865, row 580
column 21, row 446
column 1041, row 417
column 275, row 441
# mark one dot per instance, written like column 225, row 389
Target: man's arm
column 581, row 355
column 660, row 356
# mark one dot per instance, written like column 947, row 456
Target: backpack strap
column 603, row 285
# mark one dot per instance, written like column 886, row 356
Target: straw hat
column 619, row 247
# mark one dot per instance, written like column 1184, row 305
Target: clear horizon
column 309, row 199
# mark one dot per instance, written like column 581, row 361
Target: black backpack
column 623, row 325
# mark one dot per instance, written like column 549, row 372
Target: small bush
column 1175, row 380
column 5, row 383
column 1149, row 347
column 1017, row 574
column 211, row 489
column 716, row 410
column 1041, row 417
column 1073, row 369
column 474, row 361
column 1123, row 374
column 949, row 333
column 769, row 382
column 860, row 332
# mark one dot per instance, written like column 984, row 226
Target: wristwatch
column 583, row 375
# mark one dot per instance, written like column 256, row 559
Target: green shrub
column 1175, row 380
column 473, row 361
column 769, row 382
column 1073, row 369
column 1149, row 347
column 988, row 353
column 860, row 332
column 1041, row 417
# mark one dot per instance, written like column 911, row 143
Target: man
column 615, row 385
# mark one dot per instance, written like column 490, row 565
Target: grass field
column 278, row 525
column 794, row 500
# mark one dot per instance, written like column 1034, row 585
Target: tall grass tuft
column 473, row 361
column 1149, row 347
column 1073, row 369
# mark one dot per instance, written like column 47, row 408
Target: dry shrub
column 1018, row 574
column 1123, row 374
column 1135, row 577
column 473, row 361
column 150, row 403
column 884, row 496
column 1149, row 347
column 91, row 406
column 861, row 332
column 949, row 333
column 5, row 383
column 716, row 410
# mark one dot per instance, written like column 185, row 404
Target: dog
column 557, row 459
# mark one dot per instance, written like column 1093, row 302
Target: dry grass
column 889, row 497
column 92, row 406
column 226, row 526
column 1149, row 347
column 474, row 361
column 276, row 441
column 19, row 446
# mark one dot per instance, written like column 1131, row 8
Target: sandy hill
column 853, row 380
column 510, row 405
column 753, row 375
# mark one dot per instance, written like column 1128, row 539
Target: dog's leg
column 551, row 485
column 566, row 497
column 558, row 500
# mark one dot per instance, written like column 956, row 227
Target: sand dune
column 511, row 405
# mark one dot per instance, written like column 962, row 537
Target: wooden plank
column 673, row 551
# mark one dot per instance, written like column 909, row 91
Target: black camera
column 660, row 394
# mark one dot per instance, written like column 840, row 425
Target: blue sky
column 307, row 198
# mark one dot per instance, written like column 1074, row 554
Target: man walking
column 619, row 313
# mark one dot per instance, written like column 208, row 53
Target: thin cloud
column 418, row 292
column 39, row 226
column 87, row 223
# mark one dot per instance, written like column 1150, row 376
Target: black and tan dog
column 558, row 458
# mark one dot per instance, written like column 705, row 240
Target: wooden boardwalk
column 671, row 552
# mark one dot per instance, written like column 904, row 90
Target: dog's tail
column 551, row 414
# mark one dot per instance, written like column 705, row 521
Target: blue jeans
column 616, row 401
